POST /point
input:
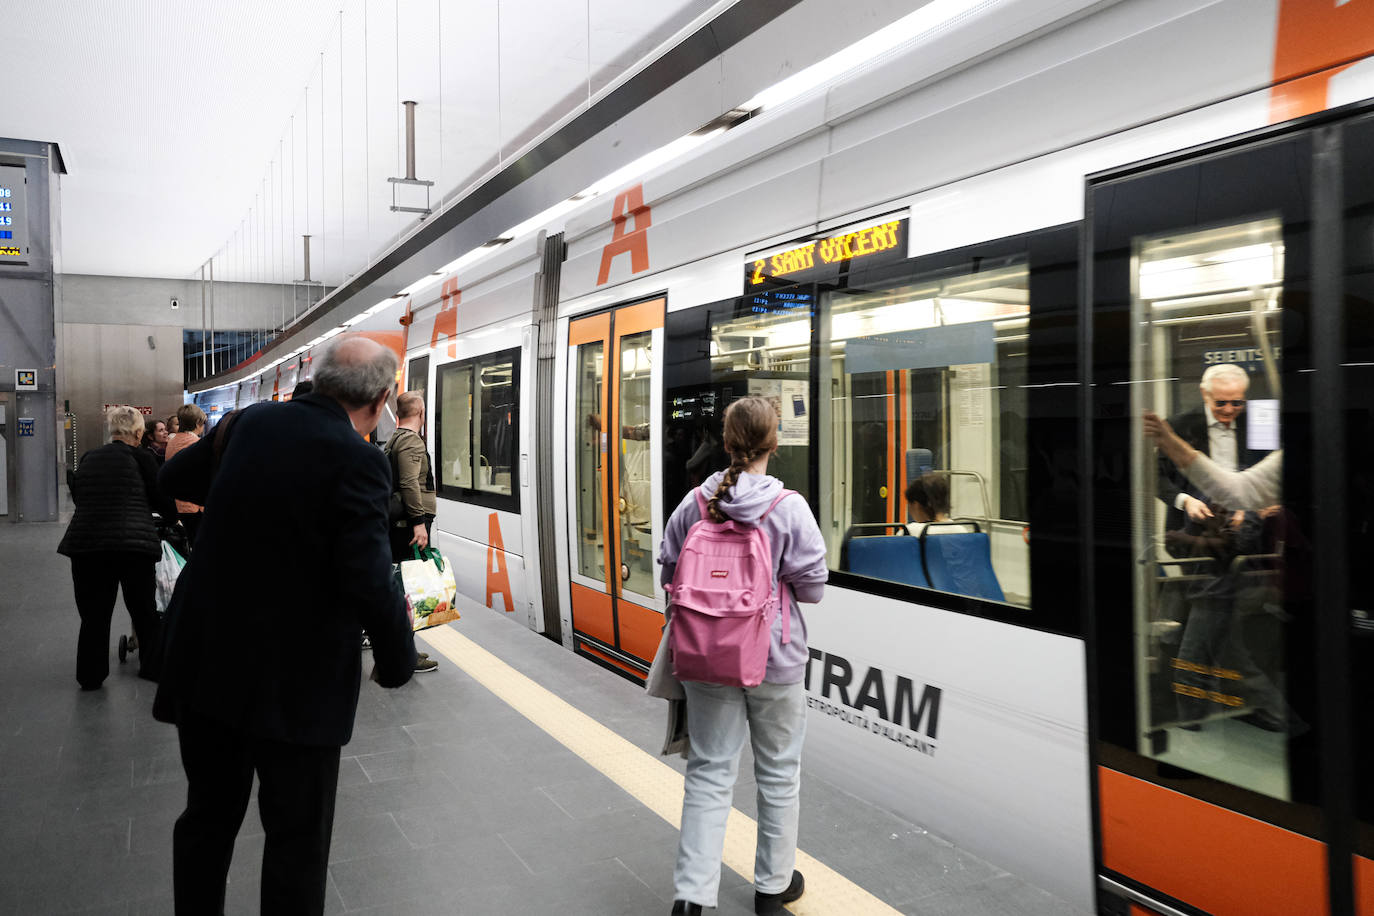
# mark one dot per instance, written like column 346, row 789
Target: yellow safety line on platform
column 655, row 784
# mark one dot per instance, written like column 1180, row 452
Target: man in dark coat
column 293, row 546
column 1217, row 429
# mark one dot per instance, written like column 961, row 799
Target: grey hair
column 123, row 421
column 354, row 370
column 1223, row 370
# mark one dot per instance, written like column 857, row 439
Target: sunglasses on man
column 1233, row 402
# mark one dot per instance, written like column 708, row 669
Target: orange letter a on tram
column 498, row 580
column 636, row 241
column 446, row 322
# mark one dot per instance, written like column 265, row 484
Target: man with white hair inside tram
column 1216, row 429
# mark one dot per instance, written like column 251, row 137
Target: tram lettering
column 834, row 664
column 872, row 695
column 634, row 242
column 930, row 699
column 905, row 710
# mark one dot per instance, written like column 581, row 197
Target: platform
column 452, row 799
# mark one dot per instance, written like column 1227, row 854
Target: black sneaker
column 424, row 663
column 686, row 908
column 773, row 903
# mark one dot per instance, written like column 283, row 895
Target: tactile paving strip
column 655, row 784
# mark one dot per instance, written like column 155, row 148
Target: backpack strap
column 777, row 499
column 701, row 503
column 782, row 586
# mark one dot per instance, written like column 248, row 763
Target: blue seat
column 896, row 558
column 962, row 564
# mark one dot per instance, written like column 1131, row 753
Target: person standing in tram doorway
column 772, row 715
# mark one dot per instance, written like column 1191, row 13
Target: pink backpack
column 722, row 602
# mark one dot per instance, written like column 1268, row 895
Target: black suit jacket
column 292, row 562
column 1192, row 428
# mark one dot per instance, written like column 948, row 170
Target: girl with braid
column 772, row 716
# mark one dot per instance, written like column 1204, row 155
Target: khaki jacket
column 414, row 479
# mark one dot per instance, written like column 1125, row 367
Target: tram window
column 758, row 345
column 477, row 428
column 1209, row 586
column 925, row 381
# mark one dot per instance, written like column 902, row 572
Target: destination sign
column 14, row 235
column 822, row 258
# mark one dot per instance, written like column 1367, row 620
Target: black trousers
column 96, row 580
column 296, row 789
column 401, row 538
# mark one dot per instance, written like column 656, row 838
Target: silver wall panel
column 113, row 364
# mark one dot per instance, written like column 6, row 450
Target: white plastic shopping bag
column 166, row 573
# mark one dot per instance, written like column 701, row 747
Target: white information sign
column 1262, row 424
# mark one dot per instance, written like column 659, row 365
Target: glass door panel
column 1211, row 639
column 635, row 506
column 590, row 439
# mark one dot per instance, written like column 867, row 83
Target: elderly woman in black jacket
column 113, row 543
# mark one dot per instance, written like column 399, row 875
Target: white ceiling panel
column 194, row 129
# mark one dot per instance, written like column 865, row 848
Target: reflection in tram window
column 477, row 427
column 1209, row 624
column 635, row 472
column 926, row 388
column 758, row 345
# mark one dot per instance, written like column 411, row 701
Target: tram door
column 615, row 391
column 1232, row 630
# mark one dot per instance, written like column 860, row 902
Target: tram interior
column 918, row 378
column 1209, row 619
column 477, row 404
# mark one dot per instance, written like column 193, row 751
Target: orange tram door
column 1231, row 633
column 614, row 387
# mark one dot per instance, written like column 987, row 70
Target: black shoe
column 1192, row 727
column 773, row 903
column 1263, row 719
column 683, row 908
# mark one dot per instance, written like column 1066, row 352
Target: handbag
column 166, row 573
column 430, row 588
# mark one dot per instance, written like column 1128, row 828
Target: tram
column 981, row 259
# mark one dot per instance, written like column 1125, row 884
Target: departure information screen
column 822, row 259
column 14, row 236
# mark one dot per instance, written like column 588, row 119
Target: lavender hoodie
column 799, row 555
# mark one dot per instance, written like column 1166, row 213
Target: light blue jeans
column 773, row 717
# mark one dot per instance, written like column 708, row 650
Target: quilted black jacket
column 115, row 491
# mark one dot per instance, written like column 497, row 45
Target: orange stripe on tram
column 1216, row 859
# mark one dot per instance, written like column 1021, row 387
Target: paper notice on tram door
column 430, row 588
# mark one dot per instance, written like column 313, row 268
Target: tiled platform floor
column 449, row 801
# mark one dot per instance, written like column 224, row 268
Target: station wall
column 108, row 323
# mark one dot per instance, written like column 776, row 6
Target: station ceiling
column 196, row 128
